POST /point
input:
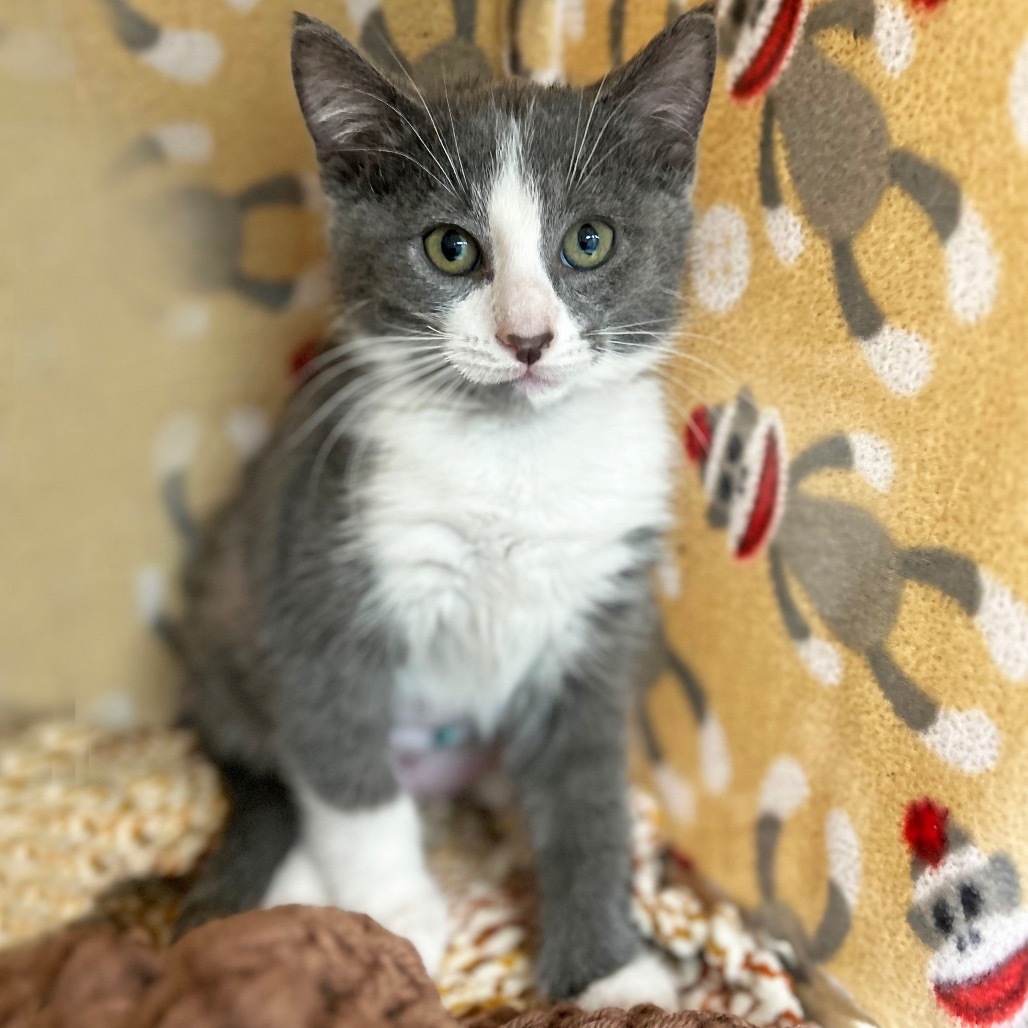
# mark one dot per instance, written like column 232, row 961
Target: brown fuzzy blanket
column 292, row 966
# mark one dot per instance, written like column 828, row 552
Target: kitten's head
column 519, row 241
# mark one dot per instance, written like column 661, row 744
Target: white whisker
column 585, row 132
column 447, row 184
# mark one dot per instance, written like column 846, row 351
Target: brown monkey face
column 757, row 37
column 741, row 455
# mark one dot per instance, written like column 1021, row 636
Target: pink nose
column 527, row 349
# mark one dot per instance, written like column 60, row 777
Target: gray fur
column 291, row 662
column 571, row 772
column 639, row 180
column 262, row 826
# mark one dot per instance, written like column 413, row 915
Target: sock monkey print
column 203, row 231
column 202, row 228
column 715, row 761
column 842, row 160
column 967, row 909
column 186, row 55
column 783, row 791
column 852, row 571
column 455, row 58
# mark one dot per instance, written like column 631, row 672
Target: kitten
column 457, row 518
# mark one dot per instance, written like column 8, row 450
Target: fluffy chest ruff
column 493, row 537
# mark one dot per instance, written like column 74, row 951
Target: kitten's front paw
column 643, row 980
column 419, row 915
column 297, row 880
column 578, row 952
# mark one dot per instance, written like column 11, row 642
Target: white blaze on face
column 523, row 300
column 518, row 300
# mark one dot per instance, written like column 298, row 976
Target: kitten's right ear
column 664, row 89
column 346, row 102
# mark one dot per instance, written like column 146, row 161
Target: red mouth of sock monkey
column 765, row 503
column 989, row 999
column 764, row 67
column 754, row 515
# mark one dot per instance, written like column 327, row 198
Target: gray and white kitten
column 460, row 511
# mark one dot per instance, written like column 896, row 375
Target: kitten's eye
column 452, row 250
column 587, row 244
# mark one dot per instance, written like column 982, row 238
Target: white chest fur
column 493, row 538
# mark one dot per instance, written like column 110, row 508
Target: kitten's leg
column 262, row 825
column 566, row 753
column 371, row 861
column 365, row 859
column 358, row 830
column 297, row 880
column 333, row 712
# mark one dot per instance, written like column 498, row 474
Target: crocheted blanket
column 106, row 827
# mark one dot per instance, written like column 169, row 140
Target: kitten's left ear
column 665, row 88
column 347, row 102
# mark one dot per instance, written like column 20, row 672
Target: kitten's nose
column 527, row 349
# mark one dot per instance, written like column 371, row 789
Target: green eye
column 451, row 250
column 587, row 244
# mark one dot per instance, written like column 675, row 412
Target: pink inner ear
column 667, row 85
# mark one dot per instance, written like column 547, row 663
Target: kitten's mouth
column 536, row 384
